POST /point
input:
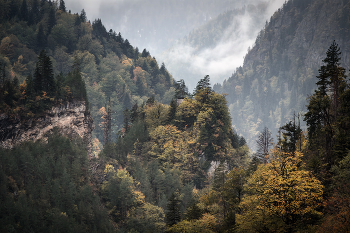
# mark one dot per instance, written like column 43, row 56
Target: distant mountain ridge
column 279, row 71
column 220, row 44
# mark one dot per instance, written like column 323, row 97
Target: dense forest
column 176, row 164
column 219, row 45
column 110, row 66
column 280, row 69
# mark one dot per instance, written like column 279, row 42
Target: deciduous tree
column 264, row 143
column 281, row 196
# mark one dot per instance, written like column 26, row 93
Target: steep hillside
column 155, row 24
column 71, row 119
column 219, row 44
column 279, row 72
column 110, row 66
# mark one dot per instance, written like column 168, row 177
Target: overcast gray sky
column 158, row 24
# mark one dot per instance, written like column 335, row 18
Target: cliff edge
column 71, row 119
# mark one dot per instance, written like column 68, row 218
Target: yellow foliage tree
column 172, row 148
column 207, row 224
column 281, row 196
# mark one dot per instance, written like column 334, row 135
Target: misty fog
column 162, row 27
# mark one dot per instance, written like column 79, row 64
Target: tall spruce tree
column 173, row 214
column 181, row 90
column 40, row 38
column 43, row 76
column 24, row 11
column 324, row 107
column 62, row 6
column 52, row 19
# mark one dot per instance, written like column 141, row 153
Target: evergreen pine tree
column 193, row 211
column 62, row 6
column 162, row 69
column 76, row 82
column 173, row 214
column 291, row 133
column 35, row 11
column 323, row 81
column 172, row 111
column 43, row 75
column 52, row 19
column 140, row 86
column 40, row 38
column 30, row 92
column 145, row 53
column 83, row 16
column 181, row 91
column 24, row 11
column 145, row 66
column 134, row 114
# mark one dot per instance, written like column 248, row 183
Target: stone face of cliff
column 70, row 119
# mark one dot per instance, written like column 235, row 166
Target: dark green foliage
column 140, row 86
column 44, row 188
column 181, row 90
column 41, row 91
column 253, row 165
column 203, row 85
column 99, row 29
column 172, row 111
column 145, row 53
column 52, row 19
column 326, row 112
column 108, row 62
column 62, row 6
column 220, row 177
column 193, row 212
column 43, row 76
column 75, row 82
column 10, row 93
column 35, row 12
column 134, row 114
column 242, row 141
column 291, row 133
column 24, row 11
column 323, row 82
column 83, row 16
column 126, row 121
column 41, row 38
column 173, row 214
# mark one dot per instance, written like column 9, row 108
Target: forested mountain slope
column 173, row 168
column 110, row 66
column 155, row 24
column 214, row 47
column 280, row 70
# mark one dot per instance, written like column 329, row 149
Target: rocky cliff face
column 71, row 119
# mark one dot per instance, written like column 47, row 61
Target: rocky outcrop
column 71, row 119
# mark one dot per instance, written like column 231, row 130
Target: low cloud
column 220, row 61
column 182, row 60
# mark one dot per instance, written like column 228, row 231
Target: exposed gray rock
column 71, row 119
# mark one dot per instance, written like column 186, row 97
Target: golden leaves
column 282, row 189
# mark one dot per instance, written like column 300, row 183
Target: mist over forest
column 165, row 28
column 173, row 116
